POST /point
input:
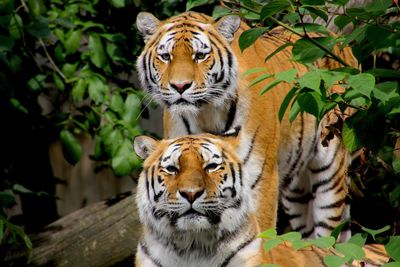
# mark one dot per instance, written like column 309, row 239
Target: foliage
column 66, row 71
column 342, row 253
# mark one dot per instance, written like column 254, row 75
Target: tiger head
column 191, row 187
column 187, row 61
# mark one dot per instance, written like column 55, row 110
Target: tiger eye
column 199, row 56
column 165, row 57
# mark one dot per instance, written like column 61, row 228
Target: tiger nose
column 181, row 87
column 191, row 194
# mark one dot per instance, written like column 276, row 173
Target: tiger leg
column 327, row 171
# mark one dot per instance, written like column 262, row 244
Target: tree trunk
column 102, row 234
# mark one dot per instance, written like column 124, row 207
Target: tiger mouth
column 182, row 101
column 212, row 217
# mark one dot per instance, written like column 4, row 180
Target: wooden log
column 101, row 234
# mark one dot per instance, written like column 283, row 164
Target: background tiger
column 192, row 65
column 195, row 205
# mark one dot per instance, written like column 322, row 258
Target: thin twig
column 53, row 64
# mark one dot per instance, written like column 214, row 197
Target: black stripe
column 231, row 115
column 253, row 139
column 187, row 126
column 233, row 189
column 293, row 216
column 334, row 205
column 327, row 166
column 289, row 176
column 233, row 253
column 324, row 225
column 146, row 251
column 302, row 199
column 259, row 176
column 147, row 183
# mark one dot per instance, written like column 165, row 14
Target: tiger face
column 187, row 61
column 192, row 183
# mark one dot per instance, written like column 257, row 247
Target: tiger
column 193, row 67
column 196, row 209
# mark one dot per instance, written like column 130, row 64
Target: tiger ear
column 144, row 145
column 147, row 24
column 227, row 26
column 231, row 136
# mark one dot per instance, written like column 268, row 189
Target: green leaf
column 287, row 75
column 350, row 138
column 311, row 102
column 317, row 12
column 392, row 264
column 332, row 77
column 16, row 104
column 248, row 37
column 342, row 20
column 38, row 29
column 58, row 81
column 323, row 242
column 273, row 7
column 37, row 82
column 271, row 243
column 69, row 69
column 305, row 51
column 269, row 233
column 7, row 198
column 118, row 3
column 373, row 233
column 286, row 101
column 393, row 247
column 6, row 43
column 311, row 80
column 299, row 244
column 357, row 35
column 294, row 111
column 125, row 159
column 96, row 50
column 220, row 11
column 378, row 7
column 350, row 251
column 97, row 89
column 362, row 83
column 78, row 91
column 36, row 7
column 340, row 2
column 334, row 261
column 313, row 2
column 290, row 236
column 311, row 27
column 358, row 239
column 385, row 91
column 194, row 3
column 259, row 79
column 73, row 41
column 335, row 232
column 253, row 70
column 279, row 49
column 396, row 169
column 387, row 73
column 269, row 86
column 15, row 28
column 21, row 189
column 71, row 147
column 117, row 103
column 132, row 107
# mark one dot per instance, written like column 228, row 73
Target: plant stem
column 287, row 27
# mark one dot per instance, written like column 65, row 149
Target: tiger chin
column 197, row 210
column 192, row 65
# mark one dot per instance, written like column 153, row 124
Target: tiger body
column 192, row 65
column 196, row 209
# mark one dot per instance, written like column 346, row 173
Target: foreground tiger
column 196, row 209
column 192, row 65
